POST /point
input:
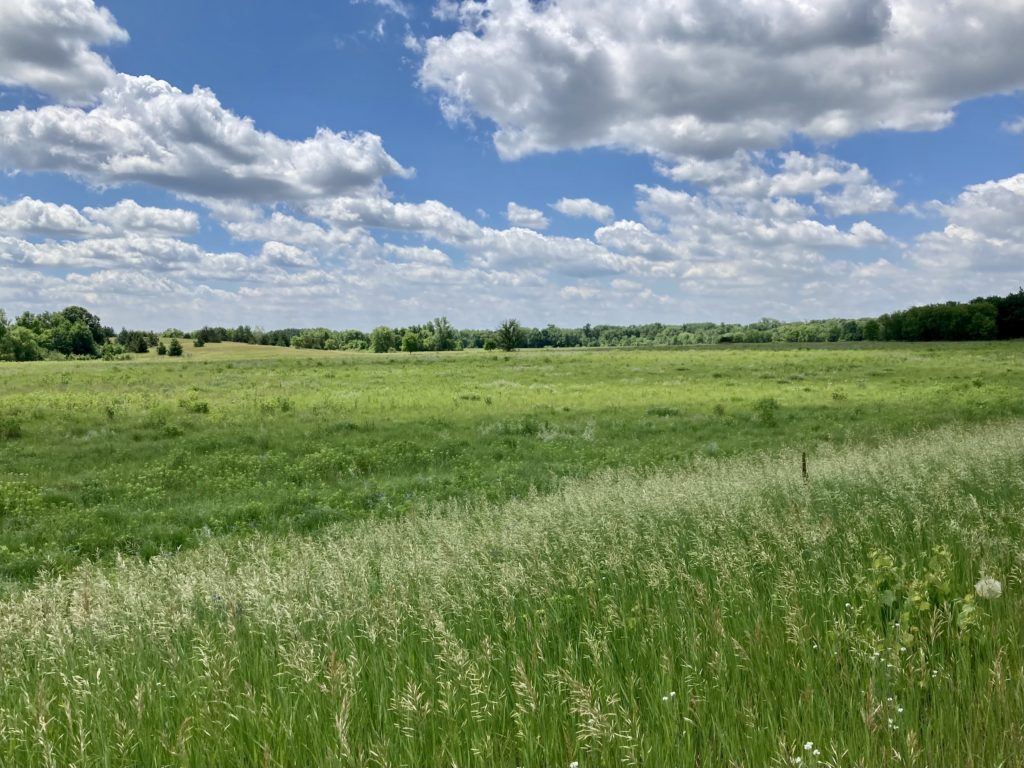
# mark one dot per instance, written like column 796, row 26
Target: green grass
column 722, row 615
column 155, row 454
column 271, row 557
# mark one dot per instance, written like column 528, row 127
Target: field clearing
column 730, row 614
column 155, row 454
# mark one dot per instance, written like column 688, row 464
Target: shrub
column 199, row 342
column 193, row 405
column 114, row 351
column 175, row 350
column 161, row 349
column 766, row 408
column 489, row 345
column 661, row 410
column 10, row 428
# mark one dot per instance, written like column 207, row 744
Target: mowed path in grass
column 156, row 454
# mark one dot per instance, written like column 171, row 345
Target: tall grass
column 728, row 615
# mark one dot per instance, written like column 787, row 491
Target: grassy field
column 266, row 557
column 158, row 454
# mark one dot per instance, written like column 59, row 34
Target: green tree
column 20, row 344
column 411, row 342
column 509, row 335
column 382, row 339
column 161, row 349
column 75, row 314
column 442, row 334
column 175, row 350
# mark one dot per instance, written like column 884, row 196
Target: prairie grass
column 725, row 614
column 156, row 454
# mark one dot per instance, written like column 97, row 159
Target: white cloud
column 984, row 233
column 278, row 254
column 521, row 216
column 679, row 78
column 584, row 207
column 840, row 187
column 46, row 45
column 31, row 217
column 1015, row 126
column 128, row 216
column 393, row 6
column 146, row 130
column 36, row 217
column 431, row 217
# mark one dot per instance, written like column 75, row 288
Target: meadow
column 275, row 557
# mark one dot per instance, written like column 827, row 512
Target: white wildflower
column 988, row 588
column 808, row 746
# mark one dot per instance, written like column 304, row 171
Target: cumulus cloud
column 128, row 216
column 677, row 78
column 47, row 45
column 839, row 187
column 146, row 130
column 584, row 208
column 28, row 216
column 521, row 216
column 984, row 233
column 1015, row 126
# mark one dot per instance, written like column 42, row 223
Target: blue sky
column 715, row 161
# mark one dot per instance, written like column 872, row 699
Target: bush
column 10, row 428
column 766, row 408
column 175, row 350
column 161, row 349
column 199, row 342
column 489, row 345
column 114, row 351
column 193, row 405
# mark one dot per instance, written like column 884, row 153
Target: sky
column 351, row 163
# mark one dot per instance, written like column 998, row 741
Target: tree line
column 74, row 332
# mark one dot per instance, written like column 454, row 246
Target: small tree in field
column 411, row 342
column 174, row 350
column 161, row 349
column 509, row 335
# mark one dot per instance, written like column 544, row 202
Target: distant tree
column 509, row 335
column 175, row 350
column 91, row 321
column 382, row 339
column 136, row 342
column 489, row 344
column 872, row 330
column 161, row 349
column 20, row 344
column 411, row 342
column 73, row 338
column 442, row 334
column 197, row 342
